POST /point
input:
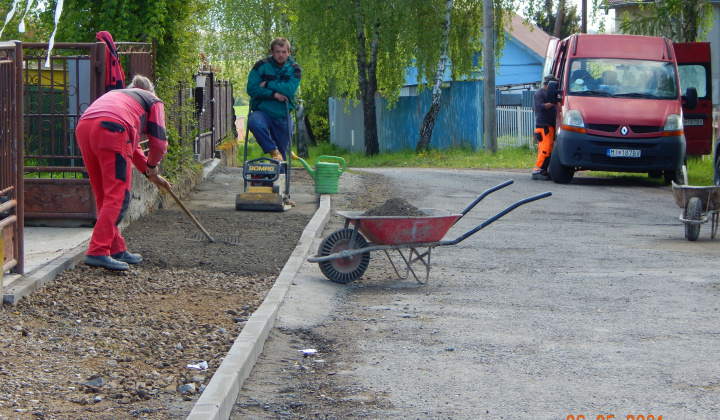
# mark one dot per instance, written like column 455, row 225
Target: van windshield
column 625, row 78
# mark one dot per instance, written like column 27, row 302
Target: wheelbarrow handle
column 497, row 216
column 483, row 195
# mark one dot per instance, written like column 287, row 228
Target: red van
column 619, row 106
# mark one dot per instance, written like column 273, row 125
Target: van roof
column 620, row 46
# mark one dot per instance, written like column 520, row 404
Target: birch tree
column 353, row 49
column 431, row 116
column 451, row 39
column 241, row 34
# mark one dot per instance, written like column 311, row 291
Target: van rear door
column 693, row 61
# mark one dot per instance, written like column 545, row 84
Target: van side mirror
column 553, row 94
column 690, row 98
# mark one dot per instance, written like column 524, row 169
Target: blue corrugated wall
column 460, row 122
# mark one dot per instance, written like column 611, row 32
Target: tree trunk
column 431, row 116
column 311, row 135
column 301, row 130
column 368, row 82
column 691, row 11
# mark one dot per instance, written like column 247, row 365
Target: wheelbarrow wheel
column 343, row 270
column 693, row 211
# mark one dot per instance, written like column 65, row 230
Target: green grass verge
column 700, row 170
column 241, row 110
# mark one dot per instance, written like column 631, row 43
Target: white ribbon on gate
column 21, row 26
column 58, row 12
column 9, row 15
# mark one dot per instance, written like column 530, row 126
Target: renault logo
column 624, row 131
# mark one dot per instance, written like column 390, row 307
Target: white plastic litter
column 308, row 352
column 200, row 366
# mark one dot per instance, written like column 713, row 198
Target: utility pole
column 583, row 24
column 489, row 120
column 559, row 18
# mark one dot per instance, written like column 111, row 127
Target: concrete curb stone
column 44, row 275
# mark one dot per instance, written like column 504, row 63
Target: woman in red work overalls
column 108, row 134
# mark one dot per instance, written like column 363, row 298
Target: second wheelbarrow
column 344, row 255
column 700, row 205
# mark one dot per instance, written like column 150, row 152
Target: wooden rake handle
column 182, row 206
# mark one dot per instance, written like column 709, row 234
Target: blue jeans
column 270, row 133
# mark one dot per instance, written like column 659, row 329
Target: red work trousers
column 107, row 152
column 546, row 140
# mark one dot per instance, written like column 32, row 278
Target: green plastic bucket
column 327, row 175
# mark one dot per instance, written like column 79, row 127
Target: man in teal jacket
column 272, row 83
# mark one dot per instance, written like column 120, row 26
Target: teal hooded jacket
column 284, row 80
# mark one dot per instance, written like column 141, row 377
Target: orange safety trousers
column 107, row 153
column 545, row 137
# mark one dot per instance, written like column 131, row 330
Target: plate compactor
column 266, row 181
column 263, row 180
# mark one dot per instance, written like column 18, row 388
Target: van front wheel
column 675, row 175
column 560, row 173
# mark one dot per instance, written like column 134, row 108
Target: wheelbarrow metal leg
column 426, row 262
column 413, row 256
column 353, row 237
column 387, row 254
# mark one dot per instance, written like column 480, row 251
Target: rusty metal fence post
column 12, row 249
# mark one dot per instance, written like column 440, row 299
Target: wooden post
column 488, row 56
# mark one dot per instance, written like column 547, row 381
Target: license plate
column 623, row 153
column 692, row 122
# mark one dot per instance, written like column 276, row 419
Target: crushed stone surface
column 96, row 344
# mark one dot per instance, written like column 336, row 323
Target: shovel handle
column 182, row 206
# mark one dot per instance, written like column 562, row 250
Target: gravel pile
column 395, row 207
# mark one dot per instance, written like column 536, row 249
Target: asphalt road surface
column 588, row 303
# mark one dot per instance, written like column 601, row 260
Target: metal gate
column 515, row 127
column 56, row 184
column 11, row 158
column 215, row 114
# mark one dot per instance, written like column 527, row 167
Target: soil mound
column 395, row 207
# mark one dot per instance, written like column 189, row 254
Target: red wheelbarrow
column 344, row 255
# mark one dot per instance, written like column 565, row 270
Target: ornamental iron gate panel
column 56, row 184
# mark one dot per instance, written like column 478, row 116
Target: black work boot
column 107, row 262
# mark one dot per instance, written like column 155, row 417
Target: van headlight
column 673, row 126
column 572, row 121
